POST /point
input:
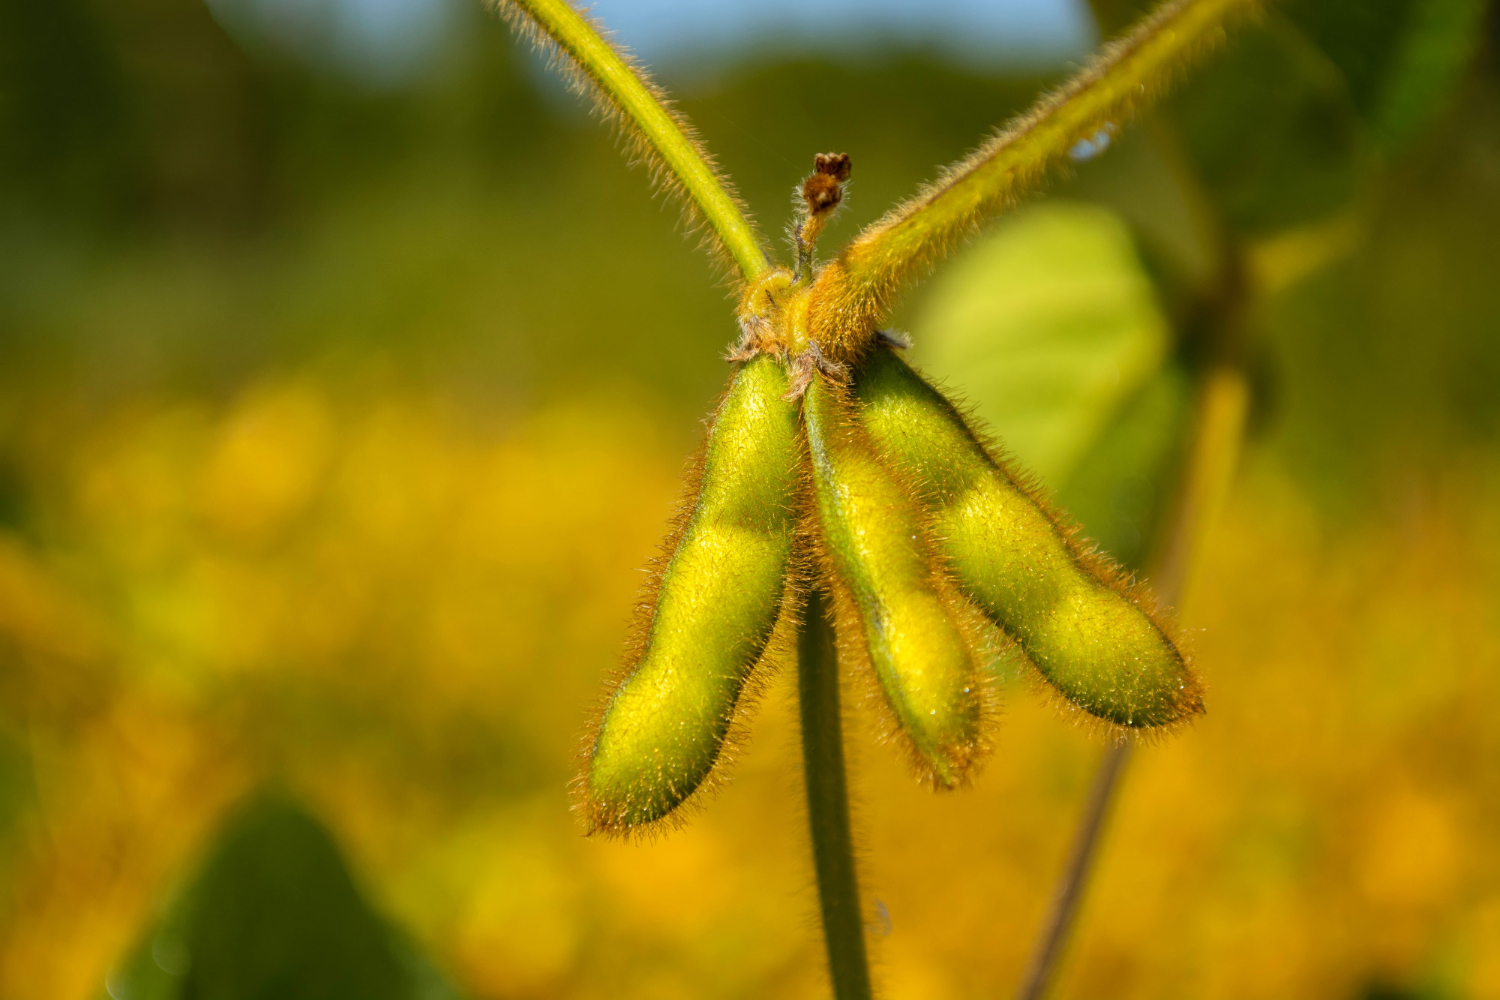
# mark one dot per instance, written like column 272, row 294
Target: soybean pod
column 1087, row 634
column 716, row 603
column 889, row 592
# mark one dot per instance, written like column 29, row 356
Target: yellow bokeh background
column 404, row 617
column 339, row 418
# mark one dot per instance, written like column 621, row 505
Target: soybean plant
column 836, row 477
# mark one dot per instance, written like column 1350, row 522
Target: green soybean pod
column 891, row 599
column 1087, row 634
column 716, row 604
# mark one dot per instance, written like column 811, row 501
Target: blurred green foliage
column 274, row 913
column 1270, row 165
column 334, row 418
column 1053, row 329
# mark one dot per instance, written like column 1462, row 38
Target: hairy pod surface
column 717, row 602
column 1086, row 634
column 875, row 544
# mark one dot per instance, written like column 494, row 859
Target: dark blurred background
column 346, row 373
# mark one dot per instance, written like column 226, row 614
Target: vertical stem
column 1218, row 425
column 828, row 804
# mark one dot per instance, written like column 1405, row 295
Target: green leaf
column 1402, row 59
column 1120, row 490
column 1273, row 131
column 274, row 915
column 1047, row 327
column 1286, row 123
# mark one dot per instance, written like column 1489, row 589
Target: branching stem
column 659, row 132
column 828, row 804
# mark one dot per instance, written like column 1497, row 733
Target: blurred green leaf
column 1283, row 125
column 274, row 914
column 1401, row 59
column 1272, row 129
column 1120, row 488
column 1047, row 327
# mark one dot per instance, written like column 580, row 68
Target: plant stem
column 658, row 132
column 1218, row 426
column 1070, row 885
column 857, row 289
column 828, row 804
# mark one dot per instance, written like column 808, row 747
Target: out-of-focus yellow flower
column 403, row 613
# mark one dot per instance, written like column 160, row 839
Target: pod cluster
column 865, row 481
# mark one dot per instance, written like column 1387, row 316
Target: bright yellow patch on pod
column 716, row 605
column 889, row 595
column 1087, row 634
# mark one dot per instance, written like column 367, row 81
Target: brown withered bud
column 835, row 165
column 822, row 193
column 823, row 190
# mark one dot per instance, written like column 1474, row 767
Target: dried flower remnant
column 820, row 196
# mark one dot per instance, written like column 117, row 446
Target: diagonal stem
column 828, row 804
column 1075, row 876
column 1218, row 426
column 659, row 133
column 854, row 292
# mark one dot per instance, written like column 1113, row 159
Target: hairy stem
column 828, row 804
column 856, row 291
column 1218, row 426
column 658, row 132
